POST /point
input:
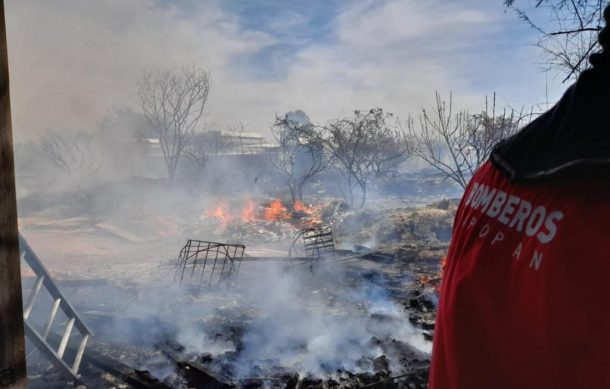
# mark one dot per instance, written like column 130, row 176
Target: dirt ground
column 409, row 245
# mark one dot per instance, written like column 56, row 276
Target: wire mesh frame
column 208, row 257
column 318, row 242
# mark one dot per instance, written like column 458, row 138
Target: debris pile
column 364, row 319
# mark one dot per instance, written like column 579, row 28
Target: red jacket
column 524, row 299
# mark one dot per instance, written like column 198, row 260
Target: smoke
column 278, row 319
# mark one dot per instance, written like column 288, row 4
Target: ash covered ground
column 353, row 321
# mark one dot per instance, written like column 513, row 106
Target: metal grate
column 208, row 263
column 318, row 242
column 39, row 336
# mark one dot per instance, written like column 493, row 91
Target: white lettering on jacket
column 514, row 212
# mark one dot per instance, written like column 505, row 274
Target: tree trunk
column 364, row 190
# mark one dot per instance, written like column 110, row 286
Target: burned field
column 315, row 297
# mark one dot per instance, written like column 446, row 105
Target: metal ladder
column 39, row 337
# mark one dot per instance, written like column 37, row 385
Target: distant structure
column 249, row 149
column 227, row 143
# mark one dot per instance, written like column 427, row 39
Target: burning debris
column 363, row 318
column 249, row 211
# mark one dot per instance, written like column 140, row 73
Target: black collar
column 574, row 134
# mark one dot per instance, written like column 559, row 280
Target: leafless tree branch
column 300, row 154
column 173, row 104
column 369, row 144
column 573, row 33
column 458, row 143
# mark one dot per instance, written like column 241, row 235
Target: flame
column 221, row 213
column 312, row 214
column 434, row 280
column 248, row 212
column 443, row 264
column 299, row 206
column 276, row 212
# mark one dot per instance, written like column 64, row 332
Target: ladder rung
column 46, row 350
column 32, row 297
column 79, row 354
column 51, row 318
column 65, row 338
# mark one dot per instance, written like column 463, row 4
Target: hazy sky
column 72, row 61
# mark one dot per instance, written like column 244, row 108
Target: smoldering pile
column 360, row 322
column 332, row 326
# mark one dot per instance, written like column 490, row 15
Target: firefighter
column 525, row 298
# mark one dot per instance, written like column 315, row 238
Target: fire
column 299, row 206
column 248, row 212
column 276, row 212
column 443, row 264
column 434, row 280
column 221, row 213
column 312, row 214
column 227, row 213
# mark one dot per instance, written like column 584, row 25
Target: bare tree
column 173, row 105
column 300, row 153
column 457, row 143
column 368, row 145
column 72, row 153
column 571, row 35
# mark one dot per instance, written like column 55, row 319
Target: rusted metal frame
column 241, row 256
column 224, row 263
column 181, row 255
column 320, row 235
column 195, row 255
column 213, row 268
column 320, row 245
column 186, row 250
column 199, row 253
column 207, row 253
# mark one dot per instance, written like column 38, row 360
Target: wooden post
column 12, row 342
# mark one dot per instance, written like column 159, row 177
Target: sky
column 73, row 61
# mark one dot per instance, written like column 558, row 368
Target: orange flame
column 228, row 213
column 434, row 280
column 221, row 213
column 312, row 214
column 248, row 212
column 276, row 212
column 299, row 206
column 443, row 264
